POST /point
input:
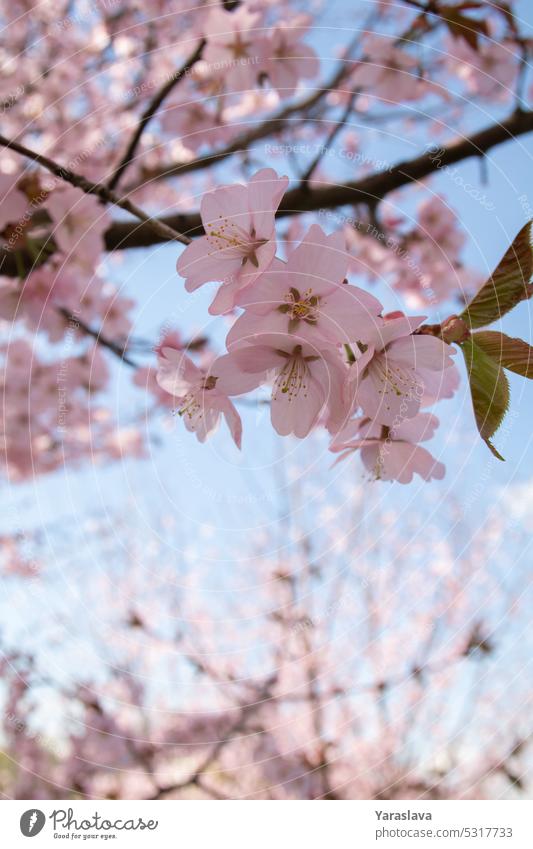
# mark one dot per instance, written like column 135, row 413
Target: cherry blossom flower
column 289, row 60
column 424, row 263
column 80, row 222
column 234, row 46
column 194, row 122
column 387, row 380
column 146, row 377
column 236, row 113
column 388, row 72
column 114, row 321
column 51, row 416
column 391, row 453
column 306, row 296
column 240, row 238
column 44, row 291
column 437, row 220
column 171, row 338
column 489, row 71
column 307, row 381
column 200, row 399
column 369, row 257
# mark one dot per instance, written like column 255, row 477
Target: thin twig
column 116, row 349
column 151, row 110
column 521, row 77
column 162, row 230
column 267, row 127
column 335, row 130
column 236, row 729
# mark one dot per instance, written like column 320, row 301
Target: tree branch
column 370, row 190
column 275, row 124
column 236, row 729
column 162, row 230
column 150, row 111
column 335, row 130
column 114, row 347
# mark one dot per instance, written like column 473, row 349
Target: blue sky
column 216, row 486
column 216, row 499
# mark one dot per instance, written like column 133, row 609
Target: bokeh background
column 202, row 622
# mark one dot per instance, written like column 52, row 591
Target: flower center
column 300, row 307
column 282, row 50
column 239, row 48
column 190, row 406
column 293, row 378
column 226, row 235
column 391, row 378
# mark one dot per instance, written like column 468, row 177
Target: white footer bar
column 268, row 825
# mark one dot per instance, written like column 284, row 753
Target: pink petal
column 389, row 394
column 349, row 315
column 331, row 373
column 297, row 414
column 355, row 375
column 231, row 379
column 250, row 328
column 421, row 351
column 418, row 429
column 256, row 359
column 320, row 258
column 268, row 290
column 400, row 461
column 177, row 373
column 385, row 333
column 226, row 204
column 204, row 423
column 439, row 385
column 200, row 264
column 224, row 300
column 265, row 192
column 233, row 421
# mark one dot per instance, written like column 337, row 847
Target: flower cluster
column 52, row 415
column 147, row 101
column 423, row 261
column 50, row 412
column 331, row 355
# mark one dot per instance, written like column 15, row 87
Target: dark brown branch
column 370, row 190
column 151, row 110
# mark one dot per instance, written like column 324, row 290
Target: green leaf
column 489, row 388
column 513, row 354
column 508, row 285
